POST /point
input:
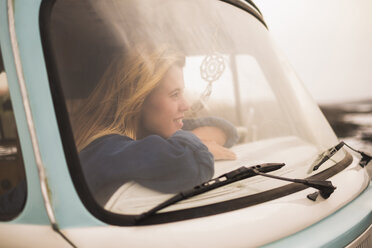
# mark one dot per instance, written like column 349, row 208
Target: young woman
column 130, row 129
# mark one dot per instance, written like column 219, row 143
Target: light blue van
column 53, row 55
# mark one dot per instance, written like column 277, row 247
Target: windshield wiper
column 227, row 178
column 332, row 151
column 327, row 155
column 325, row 187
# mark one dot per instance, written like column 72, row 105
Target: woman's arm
column 166, row 165
column 216, row 133
column 214, row 138
column 230, row 132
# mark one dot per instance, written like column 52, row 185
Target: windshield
column 218, row 68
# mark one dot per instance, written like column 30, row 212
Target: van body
column 54, row 54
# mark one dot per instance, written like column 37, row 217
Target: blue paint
column 67, row 206
column 34, row 211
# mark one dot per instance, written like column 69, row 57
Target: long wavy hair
column 115, row 105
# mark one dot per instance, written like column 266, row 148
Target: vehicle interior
column 12, row 171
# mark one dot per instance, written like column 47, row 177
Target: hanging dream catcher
column 211, row 70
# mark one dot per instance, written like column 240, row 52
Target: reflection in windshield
column 164, row 95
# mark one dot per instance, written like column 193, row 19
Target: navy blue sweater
column 166, row 165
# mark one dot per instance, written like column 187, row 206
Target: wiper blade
column 327, row 155
column 325, row 187
column 227, row 178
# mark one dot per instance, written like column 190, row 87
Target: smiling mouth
column 179, row 122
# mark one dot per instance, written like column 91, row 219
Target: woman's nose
column 184, row 105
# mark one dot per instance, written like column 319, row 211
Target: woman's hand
column 214, row 138
column 219, row 152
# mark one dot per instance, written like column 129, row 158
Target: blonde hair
column 115, row 105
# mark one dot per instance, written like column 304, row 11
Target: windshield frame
column 75, row 169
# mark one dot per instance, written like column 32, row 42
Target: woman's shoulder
column 111, row 138
column 106, row 142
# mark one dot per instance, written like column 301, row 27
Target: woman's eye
column 175, row 95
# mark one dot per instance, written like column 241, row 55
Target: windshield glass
column 163, row 95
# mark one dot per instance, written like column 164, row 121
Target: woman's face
column 164, row 108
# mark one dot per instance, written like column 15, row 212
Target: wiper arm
column 325, row 187
column 332, row 151
column 228, row 178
